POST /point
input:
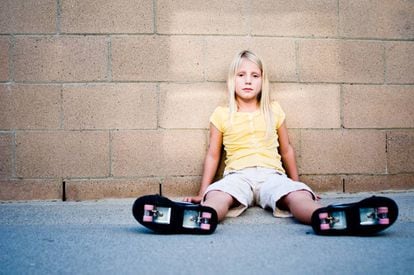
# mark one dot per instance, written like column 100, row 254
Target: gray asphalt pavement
column 101, row 237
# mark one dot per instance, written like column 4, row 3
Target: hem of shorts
column 279, row 213
column 234, row 211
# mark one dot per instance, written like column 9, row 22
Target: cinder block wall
column 103, row 98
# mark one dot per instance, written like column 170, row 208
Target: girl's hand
column 196, row 199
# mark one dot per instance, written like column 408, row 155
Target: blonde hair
column 263, row 97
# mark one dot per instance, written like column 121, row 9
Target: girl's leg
column 301, row 205
column 219, row 201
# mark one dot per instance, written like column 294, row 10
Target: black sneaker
column 366, row 217
column 169, row 217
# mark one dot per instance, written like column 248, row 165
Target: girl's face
column 248, row 81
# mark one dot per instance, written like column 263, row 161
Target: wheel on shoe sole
column 164, row 216
column 205, row 226
column 323, row 220
column 323, row 215
column 325, row 226
column 374, row 215
column 147, row 213
column 366, row 217
column 205, row 220
column 195, row 219
column 383, row 215
column 206, row 215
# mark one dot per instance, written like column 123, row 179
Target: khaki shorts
column 257, row 186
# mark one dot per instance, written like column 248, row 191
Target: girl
column 260, row 170
column 254, row 134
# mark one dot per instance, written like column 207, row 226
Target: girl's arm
column 287, row 153
column 210, row 163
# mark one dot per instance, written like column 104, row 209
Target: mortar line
column 158, row 95
column 129, row 34
column 341, row 106
column 86, row 83
column 384, row 59
column 247, row 9
column 110, row 153
column 61, row 109
column 190, row 129
column 109, row 59
column 338, row 20
column 204, row 59
column 58, row 16
column 12, row 42
column 14, row 154
column 154, row 16
column 298, row 70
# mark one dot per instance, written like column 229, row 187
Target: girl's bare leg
column 301, row 205
column 219, row 201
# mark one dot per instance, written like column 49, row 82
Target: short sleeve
column 217, row 118
column 279, row 114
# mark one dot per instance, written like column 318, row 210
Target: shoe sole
column 366, row 217
column 165, row 216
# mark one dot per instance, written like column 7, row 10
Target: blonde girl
column 260, row 170
column 260, row 165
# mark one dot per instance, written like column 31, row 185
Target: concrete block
column 157, row 58
column 48, row 189
column 323, row 183
column 107, row 16
column 110, row 106
column 378, row 183
column 294, row 139
column 28, row 16
column 220, row 51
column 375, row 106
column 309, row 106
column 181, row 186
column 6, row 155
column 294, row 18
column 278, row 55
column 190, row 105
column 158, row 153
column 202, row 17
column 77, row 190
column 399, row 62
column 389, row 19
column 341, row 61
column 62, row 154
column 63, row 58
column 400, row 151
column 4, row 58
column 343, row 151
column 30, row 106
